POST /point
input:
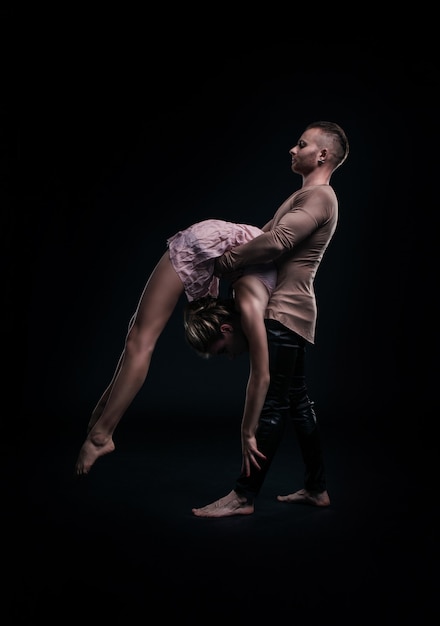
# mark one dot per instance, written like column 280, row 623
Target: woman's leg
column 100, row 406
column 158, row 301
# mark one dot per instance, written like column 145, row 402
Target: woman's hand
column 251, row 455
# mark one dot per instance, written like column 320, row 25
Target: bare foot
column 90, row 451
column 307, row 497
column 232, row 504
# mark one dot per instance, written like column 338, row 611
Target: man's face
column 231, row 343
column 305, row 153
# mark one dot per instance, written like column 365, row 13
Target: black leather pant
column 287, row 396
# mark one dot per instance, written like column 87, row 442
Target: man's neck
column 318, row 177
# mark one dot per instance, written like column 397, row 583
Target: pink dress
column 194, row 250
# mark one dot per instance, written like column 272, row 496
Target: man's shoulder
column 315, row 190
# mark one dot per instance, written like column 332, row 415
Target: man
column 296, row 239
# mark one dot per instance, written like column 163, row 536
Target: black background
column 113, row 143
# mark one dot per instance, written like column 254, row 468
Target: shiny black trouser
column 287, row 396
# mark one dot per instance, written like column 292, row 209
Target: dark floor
column 122, row 547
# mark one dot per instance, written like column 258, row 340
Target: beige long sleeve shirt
column 296, row 239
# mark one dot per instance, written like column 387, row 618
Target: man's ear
column 323, row 155
column 226, row 328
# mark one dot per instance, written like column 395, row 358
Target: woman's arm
column 251, row 298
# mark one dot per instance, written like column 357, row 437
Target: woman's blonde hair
column 202, row 319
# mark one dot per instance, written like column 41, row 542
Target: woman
column 188, row 267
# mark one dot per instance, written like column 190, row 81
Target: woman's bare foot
column 91, row 450
column 307, row 497
column 232, row 504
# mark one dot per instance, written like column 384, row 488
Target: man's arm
column 295, row 226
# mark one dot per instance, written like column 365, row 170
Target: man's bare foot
column 307, row 497
column 232, row 504
column 90, row 451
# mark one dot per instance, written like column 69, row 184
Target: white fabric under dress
column 193, row 252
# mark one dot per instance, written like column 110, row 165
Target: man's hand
column 217, row 267
column 231, row 276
